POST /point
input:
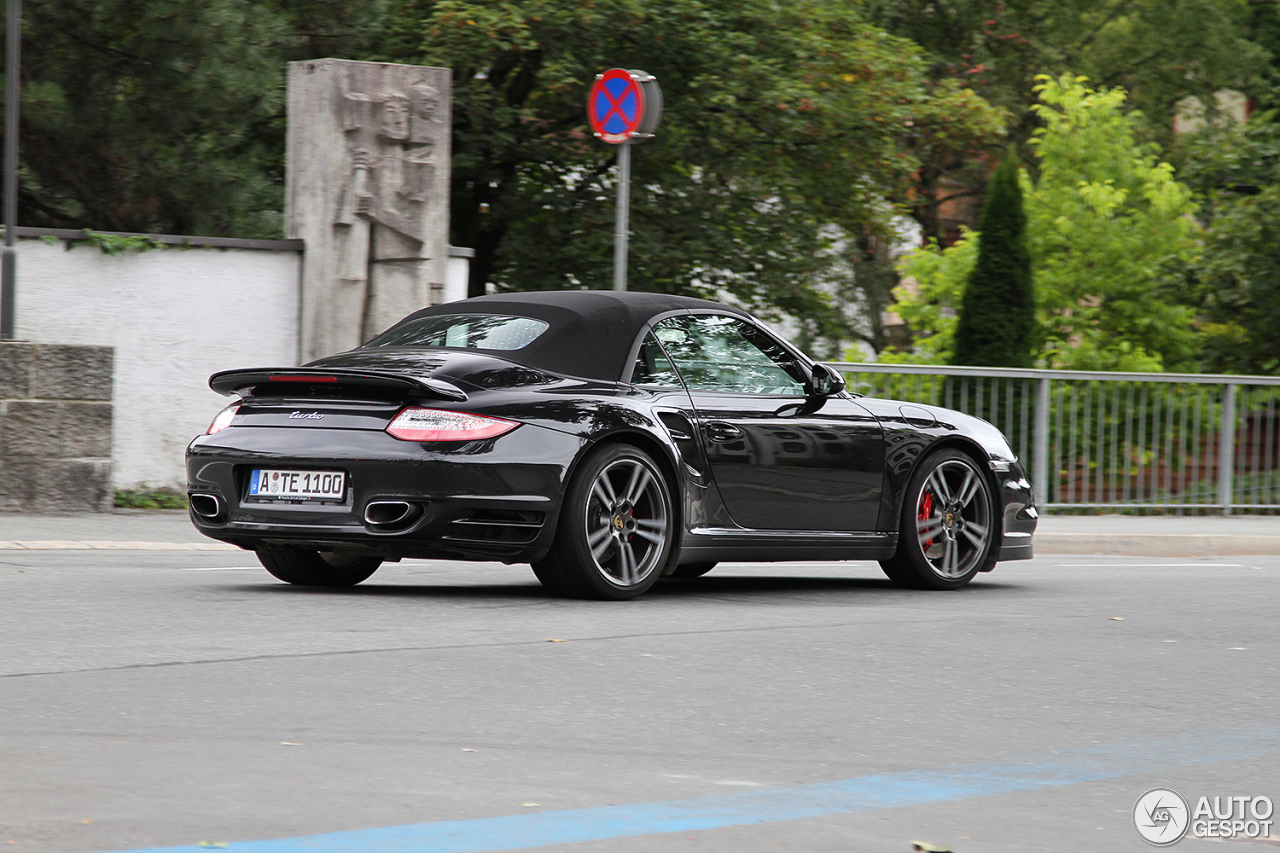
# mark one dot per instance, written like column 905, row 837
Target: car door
column 782, row 460
column 653, row 375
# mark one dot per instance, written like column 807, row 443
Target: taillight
column 414, row 424
column 223, row 419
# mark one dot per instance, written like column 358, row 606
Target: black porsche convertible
column 609, row 439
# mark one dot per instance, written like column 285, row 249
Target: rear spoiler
column 265, row 381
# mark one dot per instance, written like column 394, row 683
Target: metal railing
column 1100, row 440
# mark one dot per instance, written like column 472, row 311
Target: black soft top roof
column 590, row 331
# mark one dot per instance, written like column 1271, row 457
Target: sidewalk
column 1152, row 536
column 1159, row 536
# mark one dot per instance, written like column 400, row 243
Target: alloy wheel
column 627, row 521
column 953, row 518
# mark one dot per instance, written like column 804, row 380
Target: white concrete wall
column 174, row 316
column 457, row 273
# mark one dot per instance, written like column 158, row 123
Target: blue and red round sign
column 623, row 104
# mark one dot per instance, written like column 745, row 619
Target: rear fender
column 664, row 455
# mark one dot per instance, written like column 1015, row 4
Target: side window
column 652, row 366
column 718, row 353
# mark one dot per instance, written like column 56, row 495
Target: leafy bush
column 144, row 498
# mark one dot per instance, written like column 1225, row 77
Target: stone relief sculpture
column 368, row 192
column 389, row 141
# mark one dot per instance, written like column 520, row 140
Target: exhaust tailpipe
column 208, row 507
column 391, row 515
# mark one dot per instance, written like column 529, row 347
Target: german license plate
column 297, row 485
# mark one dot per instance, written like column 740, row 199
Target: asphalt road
column 155, row 699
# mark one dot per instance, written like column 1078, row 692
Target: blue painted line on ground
column 846, row 796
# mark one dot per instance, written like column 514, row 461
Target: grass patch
column 144, row 498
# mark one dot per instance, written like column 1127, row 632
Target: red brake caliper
column 926, row 510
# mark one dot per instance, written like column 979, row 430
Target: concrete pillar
column 368, row 192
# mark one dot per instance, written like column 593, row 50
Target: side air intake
column 497, row 527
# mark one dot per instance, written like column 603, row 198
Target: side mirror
column 826, row 381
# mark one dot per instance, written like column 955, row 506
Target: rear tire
column 549, row 575
column 305, row 567
column 616, row 528
column 947, row 531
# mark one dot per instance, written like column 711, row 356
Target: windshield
column 464, row 331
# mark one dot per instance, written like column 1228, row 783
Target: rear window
column 464, row 331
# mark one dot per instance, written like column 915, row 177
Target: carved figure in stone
column 390, row 140
column 368, row 194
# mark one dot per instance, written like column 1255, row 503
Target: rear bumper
column 492, row 499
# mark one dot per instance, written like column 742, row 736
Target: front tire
column 305, row 567
column 616, row 528
column 689, row 571
column 947, row 533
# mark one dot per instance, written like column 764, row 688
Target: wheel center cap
column 952, row 520
column 618, row 522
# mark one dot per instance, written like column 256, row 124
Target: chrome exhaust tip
column 208, row 507
column 391, row 515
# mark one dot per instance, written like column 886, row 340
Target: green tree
column 1237, row 277
column 1160, row 51
column 1107, row 222
column 1107, row 228
column 997, row 319
column 929, row 296
column 158, row 115
column 168, row 115
column 783, row 134
column 313, row 29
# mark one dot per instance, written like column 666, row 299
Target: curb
column 1156, row 544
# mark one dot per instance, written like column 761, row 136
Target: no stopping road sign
column 623, row 105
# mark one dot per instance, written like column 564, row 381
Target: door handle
column 721, row 431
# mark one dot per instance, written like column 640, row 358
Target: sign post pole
column 622, row 217
column 623, row 107
column 8, row 257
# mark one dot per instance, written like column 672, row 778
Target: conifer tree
column 997, row 321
